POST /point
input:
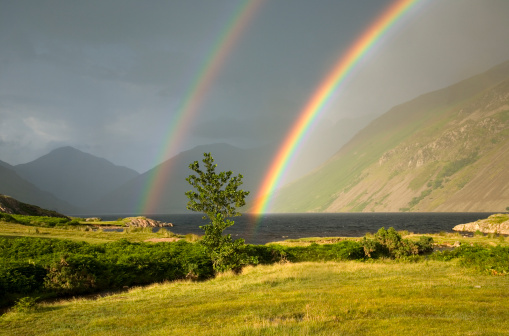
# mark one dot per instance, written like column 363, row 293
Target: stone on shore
column 498, row 223
column 141, row 221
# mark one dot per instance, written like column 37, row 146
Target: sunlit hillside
column 443, row 151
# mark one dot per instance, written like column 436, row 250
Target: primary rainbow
column 321, row 96
column 194, row 98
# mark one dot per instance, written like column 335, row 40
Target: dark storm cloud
column 108, row 76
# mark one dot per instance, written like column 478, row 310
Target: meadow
column 333, row 298
column 315, row 286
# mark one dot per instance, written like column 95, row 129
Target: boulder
column 141, row 221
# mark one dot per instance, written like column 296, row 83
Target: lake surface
column 276, row 227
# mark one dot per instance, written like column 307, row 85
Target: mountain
column 443, row 151
column 77, row 177
column 330, row 137
column 13, row 185
column 10, row 205
column 5, row 164
column 130, row 197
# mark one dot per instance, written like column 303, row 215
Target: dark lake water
column 276, row 227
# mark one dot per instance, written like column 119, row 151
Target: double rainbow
column 321, row 97
column 187, row 110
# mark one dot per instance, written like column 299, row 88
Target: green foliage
column 51, row 267
column 44, row 221
column 498, row 218
column 419, row 198
column 215, row 193
column 218, row 196
column 478, row 233
column 492, row 260
column 74, row 274
column 388, row 243
column 455, row 166
column 7, row 218
column 20, row 277
column 344, row 250
column 25, row 305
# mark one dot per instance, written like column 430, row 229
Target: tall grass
column 345, row 298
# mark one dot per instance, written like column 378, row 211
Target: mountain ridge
column 354, row 180
column 78, row 177
column 11, row 184
column 131, row 197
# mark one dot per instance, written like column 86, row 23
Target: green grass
column 81, row 233
column 440, row 239
column 346, row 298
column 497, row 218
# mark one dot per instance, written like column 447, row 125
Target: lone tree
column 218, row 196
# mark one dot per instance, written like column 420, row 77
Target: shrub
column 492, row 260
column 25, row 305
column 388, row 243
column 344, row 250
column 7, row 218
column 73, row 274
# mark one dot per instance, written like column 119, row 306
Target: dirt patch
column 158, row 240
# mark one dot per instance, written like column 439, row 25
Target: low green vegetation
column 42, row 221
column 381, row 284
column 308, row 298
column 52, row 267
column 47, row 268
column 84, row 232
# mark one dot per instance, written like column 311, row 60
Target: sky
column 108, row 76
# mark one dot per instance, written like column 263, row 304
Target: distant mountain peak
column 71, row 174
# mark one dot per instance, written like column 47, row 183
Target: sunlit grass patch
column 379, row 298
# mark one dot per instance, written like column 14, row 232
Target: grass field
column 346, row 298
column 81, row 233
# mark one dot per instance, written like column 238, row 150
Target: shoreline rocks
column 141, row 221
column 498, row 223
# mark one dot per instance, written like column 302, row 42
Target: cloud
column 109, row 75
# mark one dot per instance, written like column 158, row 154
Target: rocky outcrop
column 12, row 206
column 498, row 223
column 145, row 222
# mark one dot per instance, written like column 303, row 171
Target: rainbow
column 321, row 97
column 187, row 110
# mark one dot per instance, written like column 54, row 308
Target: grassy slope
column 93, row 237
column 361, row 177
column 347, row 298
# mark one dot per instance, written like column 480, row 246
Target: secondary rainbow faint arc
column 188, row 108
column 321, row 96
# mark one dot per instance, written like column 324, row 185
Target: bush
column 25, row 305
column 344, row 250
column 52, row 267
column 41, row 220
column 20, row 277
column 74, row 274
column 7, row 218
column 492, row 260
column 388, row 243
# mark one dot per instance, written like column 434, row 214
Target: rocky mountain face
column 77, row 177
column 443, row 151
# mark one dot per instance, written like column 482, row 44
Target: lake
column 276, row 227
